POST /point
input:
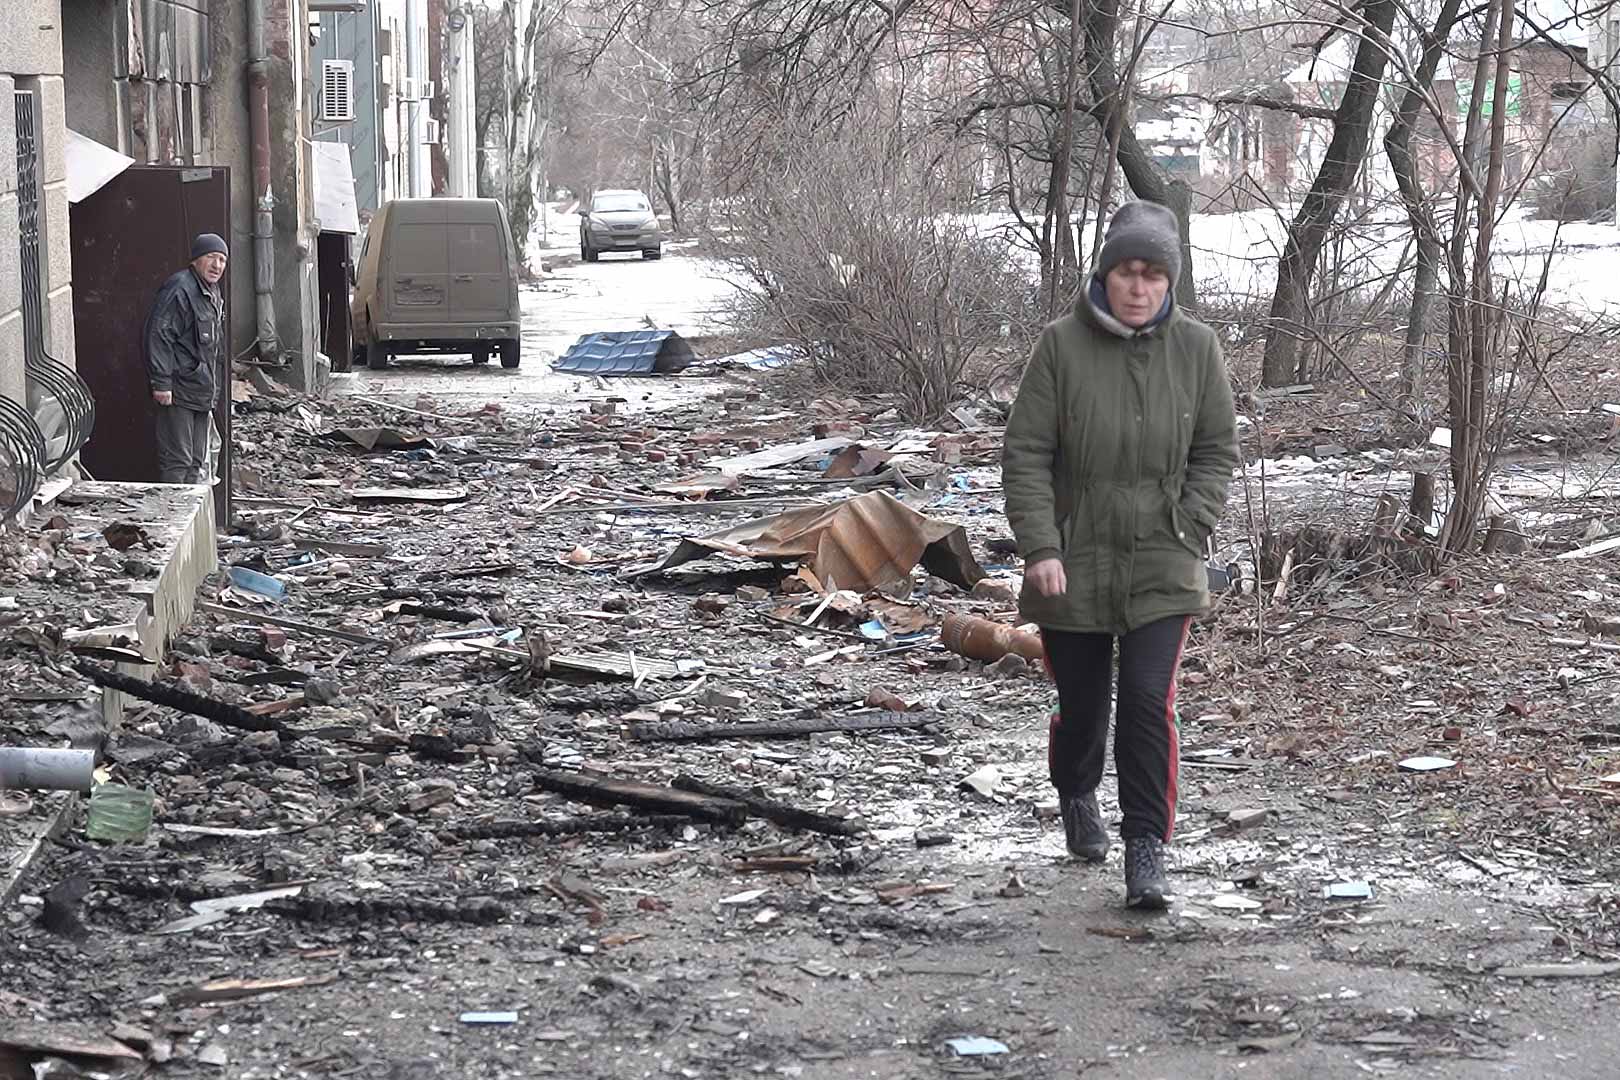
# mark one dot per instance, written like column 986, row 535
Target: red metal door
column 127, row 238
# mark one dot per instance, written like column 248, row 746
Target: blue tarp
column 627, row 352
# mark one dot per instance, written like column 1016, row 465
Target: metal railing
column 22, row 458
column 49, row 379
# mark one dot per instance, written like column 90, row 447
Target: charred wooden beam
column 649, row 797
column 790, row 816
column 676, row 730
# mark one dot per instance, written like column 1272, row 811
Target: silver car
column 620, row 220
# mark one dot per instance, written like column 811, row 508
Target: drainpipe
column 264, row 203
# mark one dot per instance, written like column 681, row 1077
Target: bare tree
column 1352, row 128
column 1419, row 212
column 1475, row 317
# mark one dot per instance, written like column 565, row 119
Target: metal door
column 480, row 275
column 127, row 239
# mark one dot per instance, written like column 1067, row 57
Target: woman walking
column 1118, row 455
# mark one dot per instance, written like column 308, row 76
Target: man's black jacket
column 184, row 336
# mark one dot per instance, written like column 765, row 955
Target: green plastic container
column 119, row 814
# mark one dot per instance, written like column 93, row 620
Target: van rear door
column 417, row 264
column 481, row 275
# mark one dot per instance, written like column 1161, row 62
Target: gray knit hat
column 208, row 244
column 1142, row 230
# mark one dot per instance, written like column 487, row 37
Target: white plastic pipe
column 26, row 768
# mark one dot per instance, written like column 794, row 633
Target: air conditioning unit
column 407, row 89
column 430, row 132
column 337, row 91
column 425, row 91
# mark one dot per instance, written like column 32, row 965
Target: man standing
column 184, row 339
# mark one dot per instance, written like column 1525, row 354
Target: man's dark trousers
column 182, row 445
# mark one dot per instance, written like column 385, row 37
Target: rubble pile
column 609, row 683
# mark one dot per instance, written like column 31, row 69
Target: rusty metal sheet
column 858, row 544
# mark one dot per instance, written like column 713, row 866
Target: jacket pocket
column 1187, row 531
column 1161, row 522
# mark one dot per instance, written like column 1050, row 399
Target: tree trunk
column 1352, row 128
column 1398, row 147
column 1143, row 176
column 1474, row 318
column 1425, row 282
column 521, row 131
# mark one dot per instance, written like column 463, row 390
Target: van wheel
column 376, row 354
column 511, row 352
column 652, row 253
column 480, row 356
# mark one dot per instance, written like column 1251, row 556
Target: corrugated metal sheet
column 858, row 544
column 627, row 352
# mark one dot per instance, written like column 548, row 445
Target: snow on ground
column 1236, row 254
column 679, row 292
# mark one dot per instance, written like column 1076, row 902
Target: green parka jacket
column 1119, row 452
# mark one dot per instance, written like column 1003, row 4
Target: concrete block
column 53, row 132
column 13, row 381
column 8, row 139
column 55, row 250
column 59, row 321
column 32, row 41
column 11, row 266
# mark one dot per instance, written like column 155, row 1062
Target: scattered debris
column 986, row 780
column 378, row 438
column 119, row 814
column 1427, row 763
column 251, row 581
column 489, row 1018
column 981, row 639
column 1348, row 890
column 976, row 1046
column 1247, row 818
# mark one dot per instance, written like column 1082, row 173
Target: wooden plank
column 1602, row 547
column 339, row 547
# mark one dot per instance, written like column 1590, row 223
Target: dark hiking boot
column 1083, row 827
column 1145, row 884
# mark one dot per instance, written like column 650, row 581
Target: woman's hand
column 1048, row 577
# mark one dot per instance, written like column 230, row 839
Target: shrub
column 847, row 251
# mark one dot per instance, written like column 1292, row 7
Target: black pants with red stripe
column 1145, row 741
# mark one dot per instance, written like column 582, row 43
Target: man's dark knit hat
column 1142, row 230
column 208, row 244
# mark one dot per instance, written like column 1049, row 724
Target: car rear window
column 477, row 249
column 607, row 204
column 418, row 249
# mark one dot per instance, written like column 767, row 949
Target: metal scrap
column 860, row 543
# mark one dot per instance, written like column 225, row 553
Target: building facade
column 411, row 66
column 170, row 82
column 42, row 402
